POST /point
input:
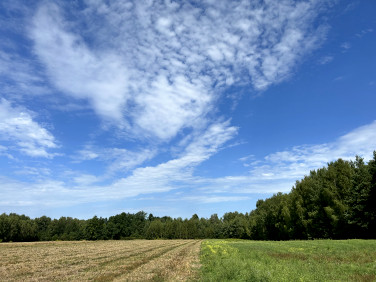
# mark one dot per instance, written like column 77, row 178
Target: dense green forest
column 337, row 202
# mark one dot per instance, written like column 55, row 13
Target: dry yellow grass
column 136, row 260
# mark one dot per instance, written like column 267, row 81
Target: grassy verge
column 319, row 260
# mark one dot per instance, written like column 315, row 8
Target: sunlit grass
column 321, row 260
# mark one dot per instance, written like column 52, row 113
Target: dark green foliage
column 43, row 227
column 336, row 202
column 96, row 229
column 155, row 230
column 370, row 206
column 64, row 228
column 235, row 225
column 17, row 228
column 272, row 219
column 126, row 225
column 357, row 201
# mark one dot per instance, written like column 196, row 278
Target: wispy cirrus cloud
column 172, row 59
column 345, row 46
column 24, row 134
column 290, row 165
column 325, row 60
column 118, row 159
column 156, row 71
column 178, row 172
column 4, row 152
column 74, row 68
column 364, row 32
column 276, row 172
column 19, row 77
column 173, row 174
column 208, row 199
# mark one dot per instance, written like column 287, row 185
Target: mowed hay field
column 189, row 260
column 133, row 260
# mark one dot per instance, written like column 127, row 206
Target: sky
column 178, row 107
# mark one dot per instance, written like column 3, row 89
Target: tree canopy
column 337, row 201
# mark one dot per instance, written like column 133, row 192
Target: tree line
column 337, row 201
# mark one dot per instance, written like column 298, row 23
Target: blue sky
column 176, row 108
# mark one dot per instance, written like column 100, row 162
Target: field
column 157, row 260
column 319, row 260
column 189, row 260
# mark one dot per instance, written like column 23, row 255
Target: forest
column 334, row 202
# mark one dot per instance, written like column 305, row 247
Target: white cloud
column 86, row 179
column 364, row 32
column 86, row 154
column 173, row 174
column 288, row 166
column 210, row 199
column 338, row 78
column 345, row 46
column 177, row 172
column 170, row 106
column 172, row 59
column 119, row 159
column 17, row 125
column 19, row 76
column 34, row 171
column 325, row 60
column 4, row 152
column 276, row 172
column 249, row 157
column 156, row 70
column 124, row 160
column 74, row 68
column 361, row 141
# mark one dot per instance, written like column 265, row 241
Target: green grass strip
column 318, row 260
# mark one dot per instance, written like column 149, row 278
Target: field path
column 135, row 260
